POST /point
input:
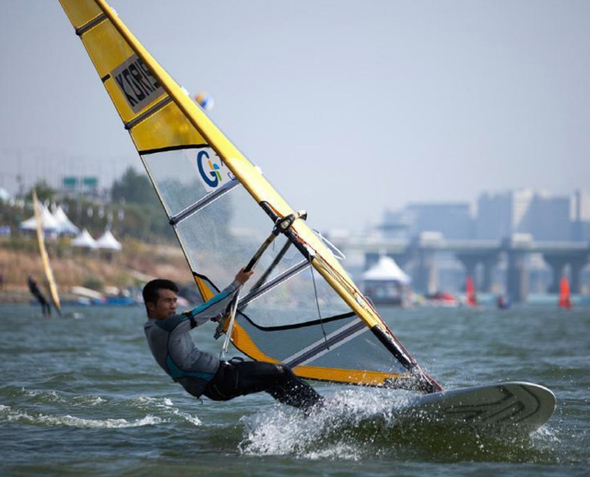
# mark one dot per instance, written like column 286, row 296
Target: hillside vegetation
column 132, row 267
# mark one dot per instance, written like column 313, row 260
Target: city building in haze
column 546, row 217
column 498, row 215
column 454, row 220
column 581, row 216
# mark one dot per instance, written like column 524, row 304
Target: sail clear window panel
column 177, row 178
column 360, row 351
column 363, row 352
column 283, row 344
column 297, row 301
column 223, row 236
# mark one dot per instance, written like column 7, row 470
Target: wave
column 363, row 424
column 8, row 414
column 48, row 397
column 165, row 405
column 50, row 407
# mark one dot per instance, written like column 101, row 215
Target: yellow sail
column 307, row 312
column 47, row 270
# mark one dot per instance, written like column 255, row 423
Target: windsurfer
column 39, row 296
column 201, row 373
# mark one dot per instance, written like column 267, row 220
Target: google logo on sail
column 212, row 176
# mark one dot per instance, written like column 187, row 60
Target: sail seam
column 149, row 112
column 305, row 324
column 91, row 24
column 181, row 147
column 205, row 278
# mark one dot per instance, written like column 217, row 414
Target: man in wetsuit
column 201, row 373
column 34, row 289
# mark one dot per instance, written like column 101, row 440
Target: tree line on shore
column 132, row 210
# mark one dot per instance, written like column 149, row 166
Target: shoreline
column 133, row 266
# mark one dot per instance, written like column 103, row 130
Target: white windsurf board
column 517, row 406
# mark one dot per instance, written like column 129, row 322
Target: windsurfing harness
column 174, row 349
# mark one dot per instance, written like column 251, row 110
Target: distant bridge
column 422, row 251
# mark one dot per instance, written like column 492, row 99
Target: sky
column 349, row 107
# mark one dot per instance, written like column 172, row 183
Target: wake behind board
column 514, row 406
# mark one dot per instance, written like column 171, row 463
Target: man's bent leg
column 295, row 392
column 247, row 377
column 277, row 380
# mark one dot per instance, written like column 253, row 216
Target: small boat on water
column 442, row 298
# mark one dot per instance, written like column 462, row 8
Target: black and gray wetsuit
column 174, row 349
column 202, row 373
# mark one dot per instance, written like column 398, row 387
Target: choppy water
column 82, row 396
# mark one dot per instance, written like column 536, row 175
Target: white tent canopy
column 108, row 242
column 48, row 222
column 386, row 270
column 84, row 240
column 4, row 195
column 65, row 225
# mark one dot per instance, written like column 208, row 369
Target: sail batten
column 194, row 208
column 91, row 24
column 266, row 287
column 149, row 112
column 221, row 208
column 324, row 345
